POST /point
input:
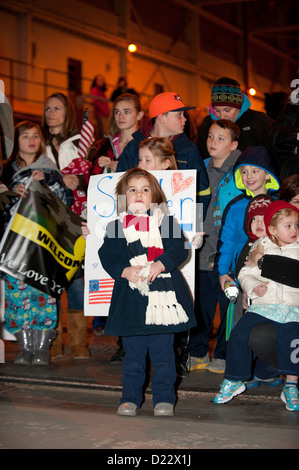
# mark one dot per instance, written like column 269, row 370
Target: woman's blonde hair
column 161, row 148
column 158, row 197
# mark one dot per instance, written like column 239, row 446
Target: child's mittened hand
column 261, row 289
column 197, row 240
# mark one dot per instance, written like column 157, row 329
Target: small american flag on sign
column 100, row 291
column 86, row 136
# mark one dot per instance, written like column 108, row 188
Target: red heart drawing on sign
column 178, row 183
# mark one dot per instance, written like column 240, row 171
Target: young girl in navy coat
column 142, row 251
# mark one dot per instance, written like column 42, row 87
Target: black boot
column 25, row 340
column 42, row 340
column 120, row 353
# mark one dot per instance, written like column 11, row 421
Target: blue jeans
column 75, row 294
column 239, row 355
column 98, row 321
column 161, row 353
column 208, row 294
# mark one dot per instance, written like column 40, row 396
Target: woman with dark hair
column 27, row 159
column 60, row 133
column 30, row 314
column 62, row 141
column 62, row 124
column 18, row 158
column 100, row 102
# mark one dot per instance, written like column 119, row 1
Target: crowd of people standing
column 246, row 163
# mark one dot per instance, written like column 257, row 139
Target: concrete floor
column 38, row 417
column 72, row 404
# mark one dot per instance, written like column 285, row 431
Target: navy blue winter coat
column 128, row 307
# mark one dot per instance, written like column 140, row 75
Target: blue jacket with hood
column 254, row 126
column 232, row 236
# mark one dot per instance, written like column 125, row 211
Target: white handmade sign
column 179, row 186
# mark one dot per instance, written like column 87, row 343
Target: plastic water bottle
column 231, row 291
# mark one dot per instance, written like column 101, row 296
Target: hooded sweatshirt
column 232, row 236
column 223, row 190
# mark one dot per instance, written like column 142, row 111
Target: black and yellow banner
column 42, row 246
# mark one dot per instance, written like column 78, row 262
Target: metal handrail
column 47, row 86
column 44, row 83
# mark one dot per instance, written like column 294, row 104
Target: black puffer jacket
column 284, row 143
column 254, row 126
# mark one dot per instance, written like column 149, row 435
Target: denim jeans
column 208, row 294
column 75, row 294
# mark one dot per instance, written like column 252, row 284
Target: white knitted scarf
column 144, row 244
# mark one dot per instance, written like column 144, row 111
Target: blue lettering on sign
column 186, row 227
column 111, row 198
column 106, row 210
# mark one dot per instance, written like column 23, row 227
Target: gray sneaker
column 199, row 362
column 164, row 409
column 217, row 366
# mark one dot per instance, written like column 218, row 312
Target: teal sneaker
column 290, row 396
column 228, row 390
